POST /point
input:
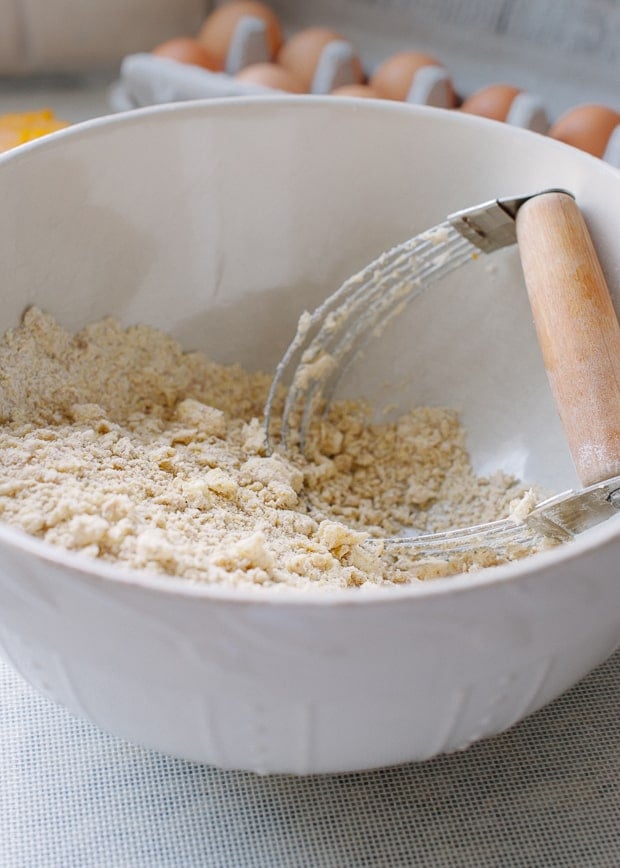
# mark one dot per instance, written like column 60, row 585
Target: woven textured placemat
column 547, row 793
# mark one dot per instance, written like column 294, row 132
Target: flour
column 117, row 444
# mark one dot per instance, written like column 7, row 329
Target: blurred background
column 82, row 59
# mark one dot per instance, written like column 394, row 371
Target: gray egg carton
column 557, row 56
column 147, row 79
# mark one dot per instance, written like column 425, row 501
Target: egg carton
column 146, row 79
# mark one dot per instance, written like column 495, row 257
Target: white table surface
column 544, row 795
column 72, row 98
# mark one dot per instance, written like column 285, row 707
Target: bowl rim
column 92, row 568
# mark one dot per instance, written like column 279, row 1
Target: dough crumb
column 522, row 506
column 117, row 444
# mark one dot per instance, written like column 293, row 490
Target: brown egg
column 394, row 77
column 360, row 90
column 187, row 50
column 301, row 54
column 217, row 31
column 492, row 102
column 270, row 75
column 588, row 127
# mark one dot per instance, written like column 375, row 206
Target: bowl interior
column 222, row 222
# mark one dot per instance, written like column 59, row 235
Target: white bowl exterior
column 292, row 687
column 220, row 223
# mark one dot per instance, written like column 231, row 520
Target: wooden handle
column 577, row 329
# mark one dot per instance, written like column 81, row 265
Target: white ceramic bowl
column 220, row 223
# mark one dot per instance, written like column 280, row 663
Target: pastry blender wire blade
column 577, row 328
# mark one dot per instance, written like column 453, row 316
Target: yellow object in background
column 21, row 127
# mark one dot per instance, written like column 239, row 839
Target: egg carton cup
column 612, row 151
column 148, row 79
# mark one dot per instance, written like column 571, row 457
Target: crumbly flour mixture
column 117, row 444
